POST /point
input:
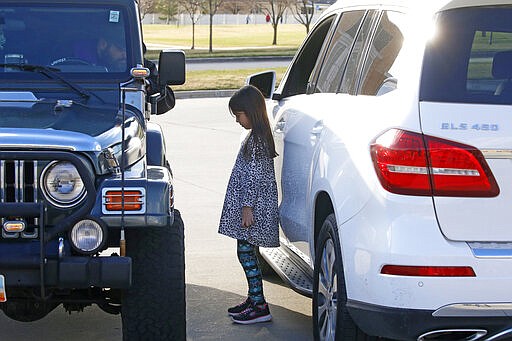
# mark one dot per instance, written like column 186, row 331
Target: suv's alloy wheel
column 331, row 320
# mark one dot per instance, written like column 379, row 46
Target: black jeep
column 86, row 192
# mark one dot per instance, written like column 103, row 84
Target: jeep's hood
column 30, row 138
column 72, row 117
column 73, row 127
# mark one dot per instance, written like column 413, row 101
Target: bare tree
column 303, row 11
column 275, row 9
column 167, row 8
column 145, row 7
column 211, row 8
column 193, row 9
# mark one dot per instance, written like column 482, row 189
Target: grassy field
column 221, row 79
column 230, row 37
column 228, row 41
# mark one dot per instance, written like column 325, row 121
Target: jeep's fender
column 155, row 145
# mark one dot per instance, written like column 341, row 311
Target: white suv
column 394, row 129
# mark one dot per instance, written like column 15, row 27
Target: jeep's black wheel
column 331, row 320
column 154, row 307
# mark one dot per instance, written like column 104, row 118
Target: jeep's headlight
column 62, row 184
column 88, row 236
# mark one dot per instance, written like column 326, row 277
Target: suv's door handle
column 317, row 128
column 279, row 127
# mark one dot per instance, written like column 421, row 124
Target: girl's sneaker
column 239, row 308
column 253, row 314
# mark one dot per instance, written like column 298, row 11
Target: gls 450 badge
column 470, row 126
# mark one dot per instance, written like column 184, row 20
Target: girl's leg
column 247, row 257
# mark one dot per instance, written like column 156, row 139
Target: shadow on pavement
column 207, row 319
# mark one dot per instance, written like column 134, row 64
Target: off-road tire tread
column 154, row 307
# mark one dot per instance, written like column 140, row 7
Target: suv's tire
column 154, row 307
column 329, row 284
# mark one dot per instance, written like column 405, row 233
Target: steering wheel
column 69, row 61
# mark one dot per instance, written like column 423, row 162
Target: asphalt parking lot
column 202, row 142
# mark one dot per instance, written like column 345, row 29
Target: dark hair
column 250, row 100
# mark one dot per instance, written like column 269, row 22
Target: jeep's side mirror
column 171, row 67
column 265, row 81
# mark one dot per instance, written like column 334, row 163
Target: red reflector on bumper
column 428, row 271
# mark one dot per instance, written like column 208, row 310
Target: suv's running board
column 288, row 269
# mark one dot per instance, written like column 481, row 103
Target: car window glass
column 378, row 76
column 297, row 79
column 470, row 59
column 348, row 83
column 75, row 39
column 338, row 51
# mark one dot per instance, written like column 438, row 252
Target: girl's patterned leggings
column 247, row 257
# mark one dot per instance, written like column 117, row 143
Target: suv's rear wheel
column 154, row 307
column 331, row 320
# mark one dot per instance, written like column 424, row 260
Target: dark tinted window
column 70, row 38
column 470, row 59
column 338, row 51
column 348, row 83
column 378, row 75
column 298, row 76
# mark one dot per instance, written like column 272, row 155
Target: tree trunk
column 193, row 35
column 211, row 33
column 274, row 41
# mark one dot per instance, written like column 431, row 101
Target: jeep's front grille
column 18, row 184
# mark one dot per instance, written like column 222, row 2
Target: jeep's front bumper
column 22, row 266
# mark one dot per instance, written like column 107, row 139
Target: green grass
column 221, row 79
column 249, row 52
column 230, row 37
column 228, row 41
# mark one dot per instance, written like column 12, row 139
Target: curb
column 203, row 94
column 235, row 59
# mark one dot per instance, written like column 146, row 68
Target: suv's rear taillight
column 416, row 164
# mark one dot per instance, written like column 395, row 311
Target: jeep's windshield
column 75, row 39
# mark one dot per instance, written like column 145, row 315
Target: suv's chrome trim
column 491, row 249
column 497, row 153
column 475, row 310
column 476, row 334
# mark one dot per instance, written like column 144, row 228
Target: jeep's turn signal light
column 140, row 72
column 14, row 226
column 133, row 200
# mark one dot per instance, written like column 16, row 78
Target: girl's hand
column 247, row 216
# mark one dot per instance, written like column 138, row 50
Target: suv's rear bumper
column 409, row 324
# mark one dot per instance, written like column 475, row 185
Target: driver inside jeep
column 107, row 50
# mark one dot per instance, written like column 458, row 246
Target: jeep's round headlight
column 87, row 236
column 62, row 184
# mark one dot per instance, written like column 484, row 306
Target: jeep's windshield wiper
column 49, row 72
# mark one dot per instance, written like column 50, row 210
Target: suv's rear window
column 470, row 59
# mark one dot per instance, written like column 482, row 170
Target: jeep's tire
column 154, row 307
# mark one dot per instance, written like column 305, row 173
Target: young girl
column 250, row 212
